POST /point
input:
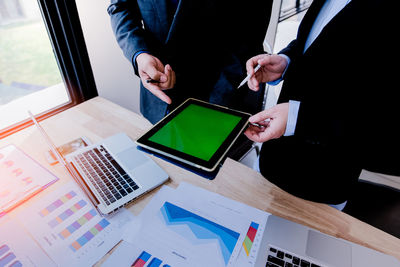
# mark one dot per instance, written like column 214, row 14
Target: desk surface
column 99, row 118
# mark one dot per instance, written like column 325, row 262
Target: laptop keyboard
column 277, row 257
column 107, row 176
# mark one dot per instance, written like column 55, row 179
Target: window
column 43, row 61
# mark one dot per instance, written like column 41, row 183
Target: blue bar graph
column 7, row 257
column 3, row 250
column 155, row 262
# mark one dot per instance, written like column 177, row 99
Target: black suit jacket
column 346, row 85
column 207, row 43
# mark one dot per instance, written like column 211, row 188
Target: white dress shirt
column 328, row 11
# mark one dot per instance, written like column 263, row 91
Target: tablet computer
column 196, row 133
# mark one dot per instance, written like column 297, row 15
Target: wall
column 113, row 73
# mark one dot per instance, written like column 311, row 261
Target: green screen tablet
column 196, row 133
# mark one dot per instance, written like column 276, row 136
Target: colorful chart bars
column 155, row 262
column 249, row 239
column 7, row 257
column 141, row 260
column 77, row 224
column 56, row 204
column 69, row 212
column 86, row 237
column 144, row 257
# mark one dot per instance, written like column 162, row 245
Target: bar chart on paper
column 190, row 226
column 18, row 249
column 7, row 257
column 144, row 253
column 151, row 261
column 251, row 244
column 20, row 178
column 249, row 239
column 70, row 229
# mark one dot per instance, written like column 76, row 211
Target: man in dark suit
column 337, row 109
column 188, row 48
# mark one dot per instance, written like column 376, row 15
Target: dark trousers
column 310, row 170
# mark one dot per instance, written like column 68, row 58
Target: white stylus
column 249, row 76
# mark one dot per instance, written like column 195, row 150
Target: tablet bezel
column 216, row 158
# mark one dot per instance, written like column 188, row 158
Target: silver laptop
column 289, row 244
column 112, row 172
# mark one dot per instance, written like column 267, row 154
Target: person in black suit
column 337, row 110
column 191, row 48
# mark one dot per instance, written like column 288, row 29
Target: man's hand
column 151, row 68
column 272, row 68
column 272, row 123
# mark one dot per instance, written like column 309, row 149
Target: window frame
column 63, row 26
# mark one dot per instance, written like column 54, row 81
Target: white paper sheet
column 194, row 227
column 17, row 248
column 20, row 177
column 69, row 228
column 256, row 218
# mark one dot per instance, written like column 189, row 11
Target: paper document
column 18, row 249
column 255, row 220
column 20, row 177
column 143, row 253
column 190, row 226
column 69, row 228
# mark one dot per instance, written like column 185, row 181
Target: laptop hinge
column 82, row 184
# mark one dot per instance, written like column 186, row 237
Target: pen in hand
column 249, row 76
column 152, row 81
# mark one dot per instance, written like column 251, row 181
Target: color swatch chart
column 145, row 258
column 7, row 257
column 70, row 214
column 86, row 237
column 56, row 204
column 249, row 239
column 77, row 224
column 20, row 177
column 66, row 214
column 70, row 229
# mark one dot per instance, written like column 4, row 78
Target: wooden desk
column 99, row 118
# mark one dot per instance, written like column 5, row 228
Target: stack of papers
column 191, row 226
column 61, row 228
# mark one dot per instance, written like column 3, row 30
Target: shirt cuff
column 277, row 81
column 292, row 117
column 135, row 56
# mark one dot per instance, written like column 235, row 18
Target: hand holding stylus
column 271, row 68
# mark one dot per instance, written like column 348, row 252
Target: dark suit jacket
column 207, row 43
column 345, row 82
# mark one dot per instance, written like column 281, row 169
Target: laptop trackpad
column 131, row 158
column 329, row 250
